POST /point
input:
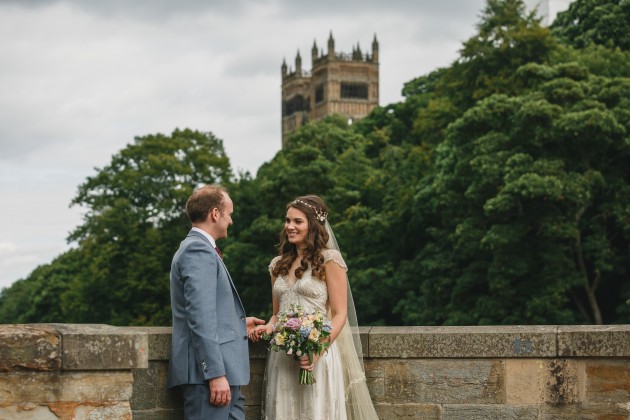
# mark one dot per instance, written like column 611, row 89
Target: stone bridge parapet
column 86, row 371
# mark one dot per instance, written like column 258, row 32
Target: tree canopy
column 496, row 192
column 602, row 22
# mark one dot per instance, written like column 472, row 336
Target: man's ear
column 214, row 214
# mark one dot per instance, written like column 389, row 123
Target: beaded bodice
column 309, row 292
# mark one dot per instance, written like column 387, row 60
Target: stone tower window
column 296, row 104
column 319, row 93
column 354, row 90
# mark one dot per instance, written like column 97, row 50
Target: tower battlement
column 338, row 83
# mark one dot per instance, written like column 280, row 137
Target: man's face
column 225, row 217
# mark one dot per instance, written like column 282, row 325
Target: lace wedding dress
column 284, row 398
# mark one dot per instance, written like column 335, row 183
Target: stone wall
column 63, row 371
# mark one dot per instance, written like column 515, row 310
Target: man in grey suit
column 209, row 352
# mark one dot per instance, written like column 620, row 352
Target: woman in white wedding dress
column 311, row 272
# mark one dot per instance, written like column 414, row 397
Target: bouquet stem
column 306, row 377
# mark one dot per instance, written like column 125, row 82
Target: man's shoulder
column 193, row 242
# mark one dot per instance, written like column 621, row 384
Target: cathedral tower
column 338, row 83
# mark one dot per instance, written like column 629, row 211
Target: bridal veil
column 358, row 401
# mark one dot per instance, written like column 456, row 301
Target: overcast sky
column 80, row 78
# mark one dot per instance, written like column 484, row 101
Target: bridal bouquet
column 299, row 333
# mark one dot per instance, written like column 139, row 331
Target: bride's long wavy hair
column 316, row 212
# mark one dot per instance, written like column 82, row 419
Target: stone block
column 253, row 391
column 607, row 381
column 462, row 342
column 27, row 411
column 520, row 412
column 561, row 387
column 120, row 411
column 375, row 376
column 409, row 411
column 45, row 387
column 144, row 396
column 252, row 412
column 159, row 414
column 440, row 382
column 525, row 380
column 364, row 335
column 610, row 411
column 33, row 347
column 102, row 347
column 166, row 398
column 540, row 381
column 490, row 411
column 67, row 411
column 594, row 341
column 258, row 350
column 159, row 341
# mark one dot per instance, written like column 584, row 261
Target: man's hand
column 219, row 391
column 251, row 323
column 255, row 333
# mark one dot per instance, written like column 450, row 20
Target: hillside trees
column 133, row 223
column 330, row 159
column 600, row 22
column 517, row 210
column 38, row 297
column 496, row 192
column 507, row 38
column 531, row 194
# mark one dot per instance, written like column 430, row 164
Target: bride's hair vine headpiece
column 319, row 213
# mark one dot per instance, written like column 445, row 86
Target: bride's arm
column 338, row 297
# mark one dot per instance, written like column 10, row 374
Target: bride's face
column 296, row 226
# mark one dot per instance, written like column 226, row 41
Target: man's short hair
column 203, row 200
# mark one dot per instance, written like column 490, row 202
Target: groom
column 209, row 351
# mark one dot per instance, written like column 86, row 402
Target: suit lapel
column 232, row 283
column 199, row 235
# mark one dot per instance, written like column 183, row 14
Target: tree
column 497, row 191
column 601, row 22
column 527, row 194
column 134, row 223
column 507, row 39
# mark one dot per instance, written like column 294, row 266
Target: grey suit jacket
column 209, row 333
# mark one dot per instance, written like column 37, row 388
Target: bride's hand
column 251, row 322
column 306, row 364
column 255, row 333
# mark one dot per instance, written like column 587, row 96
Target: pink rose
column 293, row 324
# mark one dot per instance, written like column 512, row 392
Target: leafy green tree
column 327, row 158
column 134, row 223
column 528, row 198
column 497, row 191
column 36, row 298
column 507, row 39
column 602, row 22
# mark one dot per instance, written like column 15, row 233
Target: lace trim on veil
column 358, row 401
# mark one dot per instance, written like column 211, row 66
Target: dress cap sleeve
column 334, row 255
column 273, row 263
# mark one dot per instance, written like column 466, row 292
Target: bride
column 311, row 272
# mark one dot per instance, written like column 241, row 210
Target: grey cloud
column 79, row 79
column 159, row 10
column 443, row 9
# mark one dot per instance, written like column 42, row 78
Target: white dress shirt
column 204, row 233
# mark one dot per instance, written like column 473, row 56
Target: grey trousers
column 197, row 405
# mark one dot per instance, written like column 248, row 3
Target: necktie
column 218, row 251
